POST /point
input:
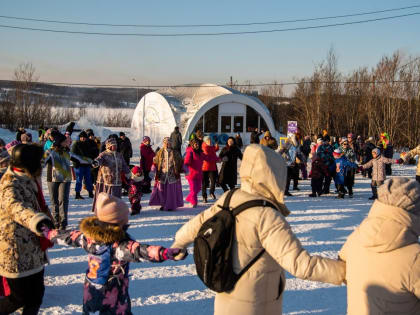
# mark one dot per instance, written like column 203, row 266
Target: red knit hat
column 111, row 209
column 137, row 174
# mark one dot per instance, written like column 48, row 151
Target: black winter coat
column 366, row 152
column 125, row 148
column 84, row 150
column 255, row 137
column 229, row 172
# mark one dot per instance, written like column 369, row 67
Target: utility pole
column 137, row 91
column 231, row 82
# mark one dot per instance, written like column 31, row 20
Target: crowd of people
column 28, row 227
column 339, row 160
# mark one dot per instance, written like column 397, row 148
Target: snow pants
column 59, row 196
column 225, row 187
column 292, row 173
column 209, row 179
column 316, row 184
column 327, row 183
column 26, row 292
column 375, row 184
column 195, row 187
column 83, row 173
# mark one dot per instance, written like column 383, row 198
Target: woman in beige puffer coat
column 259, row 290
column 383, row 254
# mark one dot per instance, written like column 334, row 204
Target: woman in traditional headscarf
column 111, row 165
column 167, row 192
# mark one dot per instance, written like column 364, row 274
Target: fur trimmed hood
column 101, row 232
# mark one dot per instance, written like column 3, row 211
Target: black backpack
column 213, row 246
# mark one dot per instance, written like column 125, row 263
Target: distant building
column 216, row 110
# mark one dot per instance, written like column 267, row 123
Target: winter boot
column 90, row 194
column 312, row 195
column 340, row 195
column 78, row 196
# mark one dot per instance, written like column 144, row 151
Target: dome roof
column 194, row 95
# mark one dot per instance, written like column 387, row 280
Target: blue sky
column 151, row 61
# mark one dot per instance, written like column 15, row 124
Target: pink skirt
column 168, row 196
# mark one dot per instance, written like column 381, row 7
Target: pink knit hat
column 111, row 209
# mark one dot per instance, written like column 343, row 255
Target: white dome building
column 218, row 111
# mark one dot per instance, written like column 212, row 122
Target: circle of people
column 28, row 228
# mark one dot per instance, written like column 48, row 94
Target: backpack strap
column 227, row 200
column 251, row 204
column 239, row 209
column 250, row 264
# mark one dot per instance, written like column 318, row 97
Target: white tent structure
column 216, row 110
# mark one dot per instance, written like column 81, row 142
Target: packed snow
column 322, row 224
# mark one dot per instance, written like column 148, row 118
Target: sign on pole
column 291, row 127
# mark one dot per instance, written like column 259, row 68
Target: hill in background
column 74, row 96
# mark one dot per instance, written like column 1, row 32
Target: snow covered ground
column 322, row 224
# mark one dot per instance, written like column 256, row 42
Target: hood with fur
column 101, row 232
column 263, row 172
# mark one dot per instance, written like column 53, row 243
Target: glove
column 225, row 159
column 174, row 254
column 399, row 161
column 43, row 225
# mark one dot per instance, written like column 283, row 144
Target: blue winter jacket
column 342, row 167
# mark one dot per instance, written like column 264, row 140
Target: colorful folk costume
column 167, row 192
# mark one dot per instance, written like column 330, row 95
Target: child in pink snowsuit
column 194, row 159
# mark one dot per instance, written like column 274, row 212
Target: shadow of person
column 381, row 300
